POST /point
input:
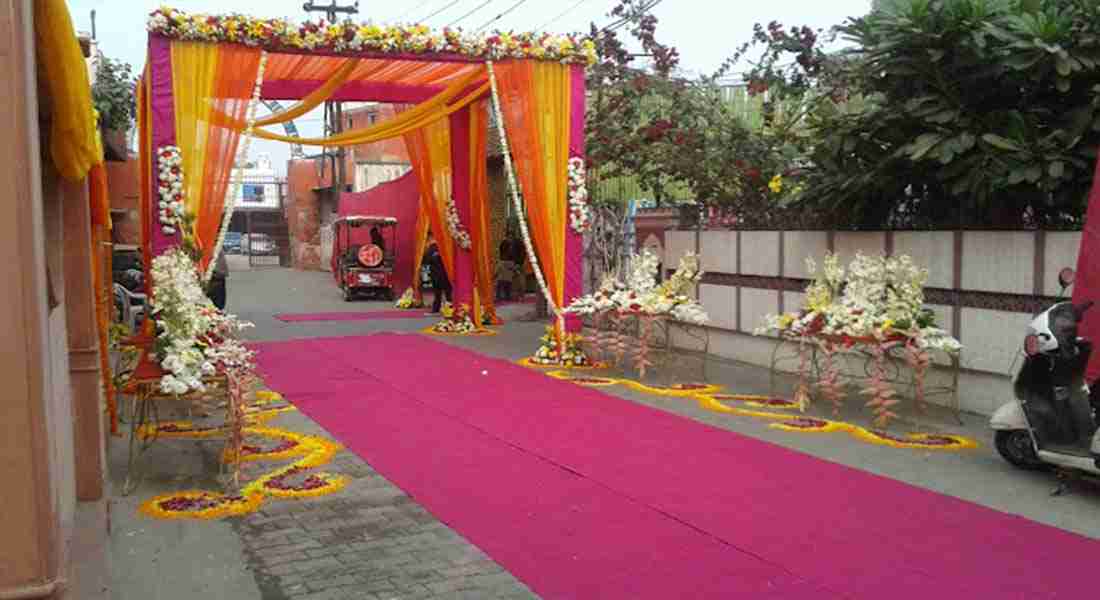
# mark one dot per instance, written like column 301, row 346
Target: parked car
column 259, row 243
column 233, row 243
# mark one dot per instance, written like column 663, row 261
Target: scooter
column 1054, row 419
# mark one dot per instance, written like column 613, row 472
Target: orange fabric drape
column 101, row 275
column 235, row 76
column 430, row 153
column 536, row 100
column 480, row 228
column 455, row 97
column 420, row 243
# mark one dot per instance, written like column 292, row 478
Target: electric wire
column 441, row 9
column 472, row 11
column 415, row 8
column 502, row 15
column 560, row 15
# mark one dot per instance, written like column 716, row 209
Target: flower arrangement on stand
column 580, row 215
column 454, row 226
column 876, row 303
column 194, row 339
column 340, row 36
column 639, row 297
column 409, row 301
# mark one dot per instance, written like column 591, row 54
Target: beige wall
column 36, row 451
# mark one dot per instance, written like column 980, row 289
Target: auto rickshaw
column 364, row 253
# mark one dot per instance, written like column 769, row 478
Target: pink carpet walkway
column 583, row 495
column 367, row 315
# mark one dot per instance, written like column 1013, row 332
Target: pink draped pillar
column 1087, row 285
column 462, row 279
column 574, row 242
column 162, row 120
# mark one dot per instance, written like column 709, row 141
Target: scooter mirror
column 1031, row 345
column 1066, row 277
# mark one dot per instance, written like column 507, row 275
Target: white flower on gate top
column 580, row 215
column 170, row 189
column 454, row 226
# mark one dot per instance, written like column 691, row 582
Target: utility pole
column 334, row 112
column 331, row 10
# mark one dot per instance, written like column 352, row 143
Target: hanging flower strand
column 238, row 179
column 454, row 226
column 170, row 187
column 580, row 215
column 524, row 232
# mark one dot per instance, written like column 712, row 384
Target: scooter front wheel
column 1015, row 446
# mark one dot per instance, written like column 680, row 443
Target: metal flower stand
column 856, row 364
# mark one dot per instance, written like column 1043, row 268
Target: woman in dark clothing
column 438, row 274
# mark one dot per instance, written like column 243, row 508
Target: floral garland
column 238, row 180
column 454, row 226
column 170, row 188
column 580, row 215
column 194, row 339
column 280, row 34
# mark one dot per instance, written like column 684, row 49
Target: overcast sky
column 704, row 31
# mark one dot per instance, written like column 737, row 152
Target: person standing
column 438, row 274
column 216, row 288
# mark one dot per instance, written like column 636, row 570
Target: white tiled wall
column 868, row 243
column 933, row 250
column 760, row 253
column 755, row 305
column 1061, row 252
column 991, row 339
column 998, row 261
column 677, row 244
column 798, row 246
column 718, row 250
column 720, row 302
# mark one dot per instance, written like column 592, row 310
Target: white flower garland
column 580, row 215
column 238, row 180
column 454, row 225
column 525, row 234
column 170, row 187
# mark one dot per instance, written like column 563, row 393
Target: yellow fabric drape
column 194, row 68
column 438, row 139
column 536, row 101
column 480, row 228
column 438, row 107
column 73, row 129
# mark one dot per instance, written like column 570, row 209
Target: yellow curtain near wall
column 536, row 101
column 73, row 129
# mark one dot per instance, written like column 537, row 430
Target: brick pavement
column 368, row 541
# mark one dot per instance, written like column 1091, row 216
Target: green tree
column 113, row 95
